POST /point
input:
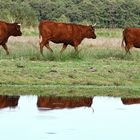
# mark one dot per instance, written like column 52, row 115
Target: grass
column 111, row 33
column 69, row 90
column 95, row 70
column 100, row 67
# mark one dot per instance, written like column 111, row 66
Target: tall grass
column 31, row 52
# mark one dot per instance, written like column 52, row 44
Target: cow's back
column 132, row 36
column 56, row 32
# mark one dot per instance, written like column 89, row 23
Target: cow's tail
column 122, row 45
column 123, row 41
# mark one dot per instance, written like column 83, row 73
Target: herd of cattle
column 66, row 33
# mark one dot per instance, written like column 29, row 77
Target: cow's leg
column 76, row 48
column 76, row 43
column 5, row 48
column 127, row 49
column 64, row 47
column 48, row 47
column 41, row 47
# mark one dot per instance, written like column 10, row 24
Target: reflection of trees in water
column 63, row 102
column 129, row 101
column 8, row 101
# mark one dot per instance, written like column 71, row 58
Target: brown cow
column 63, row 102
column 131, row 37
column 8, row 101
column 7, row 30
column 66, row 33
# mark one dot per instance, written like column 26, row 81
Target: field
column 99, row 68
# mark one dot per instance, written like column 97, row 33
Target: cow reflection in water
column 63, row 102
column 8, row 101
column 129, row 101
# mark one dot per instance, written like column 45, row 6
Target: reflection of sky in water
column 111, row 120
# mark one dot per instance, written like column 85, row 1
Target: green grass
column 92, row 71
column 70, row 91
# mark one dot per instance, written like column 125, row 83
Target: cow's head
column 16, row 29
column 91, row 31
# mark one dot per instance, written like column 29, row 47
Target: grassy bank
column 93, row 71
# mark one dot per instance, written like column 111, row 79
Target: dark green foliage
column 17, row 11
column 106, row 13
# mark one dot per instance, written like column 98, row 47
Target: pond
column 57, row 118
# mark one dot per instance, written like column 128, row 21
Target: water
column 101, row 118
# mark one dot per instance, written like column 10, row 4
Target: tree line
column 106, row 13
